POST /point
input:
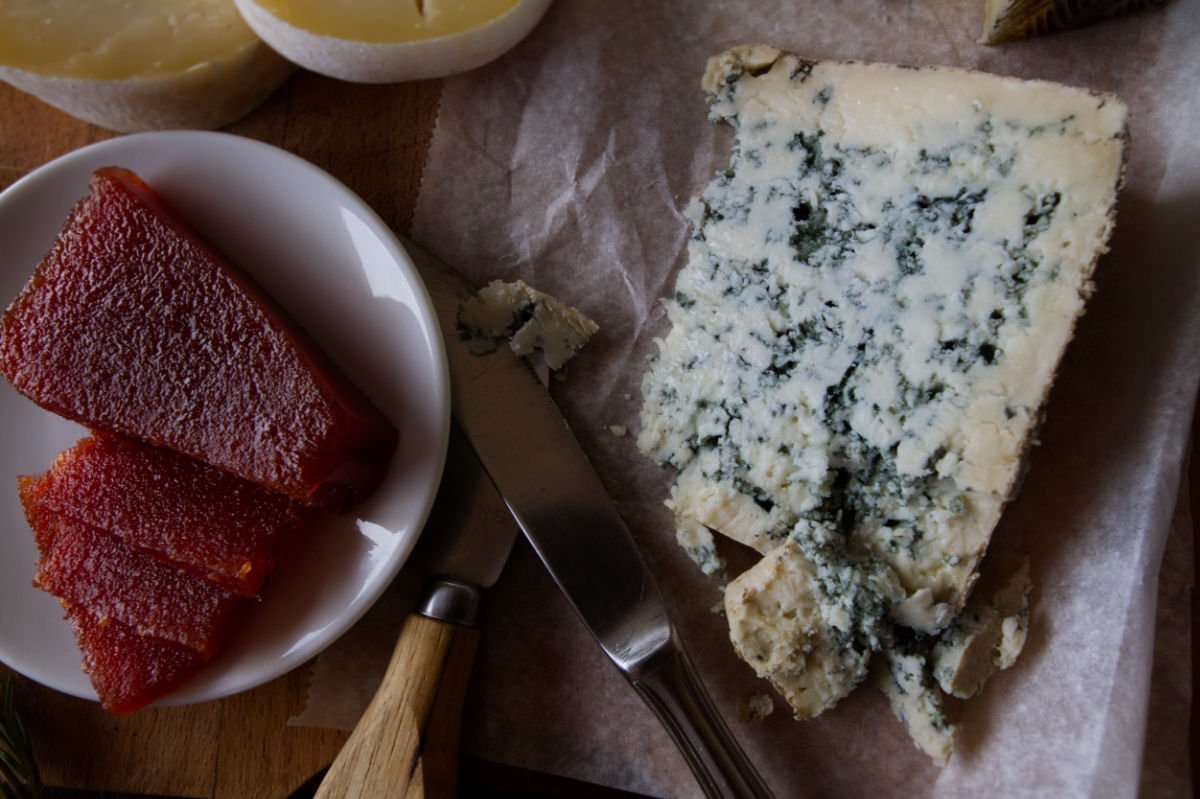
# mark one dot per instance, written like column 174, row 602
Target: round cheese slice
column 388, row 41
column 131, row 65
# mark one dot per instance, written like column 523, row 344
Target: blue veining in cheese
column 530, row 319
column 878, row 291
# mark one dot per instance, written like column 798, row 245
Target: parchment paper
column 568, row 162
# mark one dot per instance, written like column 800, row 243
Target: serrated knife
column 406, row 743
column 549, row 486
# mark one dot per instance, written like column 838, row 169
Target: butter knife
column 559, row 502
column 406, row 743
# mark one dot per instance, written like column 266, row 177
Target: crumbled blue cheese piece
column 984, row 638
column 530, row 320
column 878, row 292
column 786, row 628
column 755, row 707
column 918, row 703
column 697, row 541
column 807, row 618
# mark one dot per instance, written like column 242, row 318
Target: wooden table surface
column 374, row 139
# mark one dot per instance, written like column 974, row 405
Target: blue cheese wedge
column 531, row 320
column 878, row 291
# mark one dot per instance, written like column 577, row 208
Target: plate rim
column 438, row 388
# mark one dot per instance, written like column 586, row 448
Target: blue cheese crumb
column 530, row 319
column 918, row 703
column 697, row 541
column 794, row 634
column 755, row 707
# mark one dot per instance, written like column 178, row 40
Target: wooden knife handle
column 406, row 743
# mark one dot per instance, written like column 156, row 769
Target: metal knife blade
column 470, row 536
column 558, row 500
column 406, row 743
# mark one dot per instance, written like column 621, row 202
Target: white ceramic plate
column 326, row 257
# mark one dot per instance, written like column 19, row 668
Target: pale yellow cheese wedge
column 131, row 65
column 389, row 41
column 1005, row 20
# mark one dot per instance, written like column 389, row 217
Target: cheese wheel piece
column 382, row 41
column 1006, row 20
column 131, row 65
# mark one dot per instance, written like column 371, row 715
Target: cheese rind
column 142, row 65
column 347, row 40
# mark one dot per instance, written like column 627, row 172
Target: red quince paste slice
column 203, row 520
column 132, row 323
column 88, row 568
column 128, row 671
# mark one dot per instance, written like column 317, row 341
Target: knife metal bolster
column 451, row 601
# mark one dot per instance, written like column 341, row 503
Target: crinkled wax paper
column 568, row 162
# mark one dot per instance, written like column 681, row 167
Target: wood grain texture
column 374, row 139
column 440, row 758
column 258, row 755
column 390, row 752
column 79, row 745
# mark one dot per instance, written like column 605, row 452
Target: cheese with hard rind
column 1005, row 20
column 385, row 42
column 131, row 65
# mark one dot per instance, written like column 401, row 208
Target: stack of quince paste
column 219, row 428
column 878, row 293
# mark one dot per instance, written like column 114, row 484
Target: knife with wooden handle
column 406, row 743
column 550, row 488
